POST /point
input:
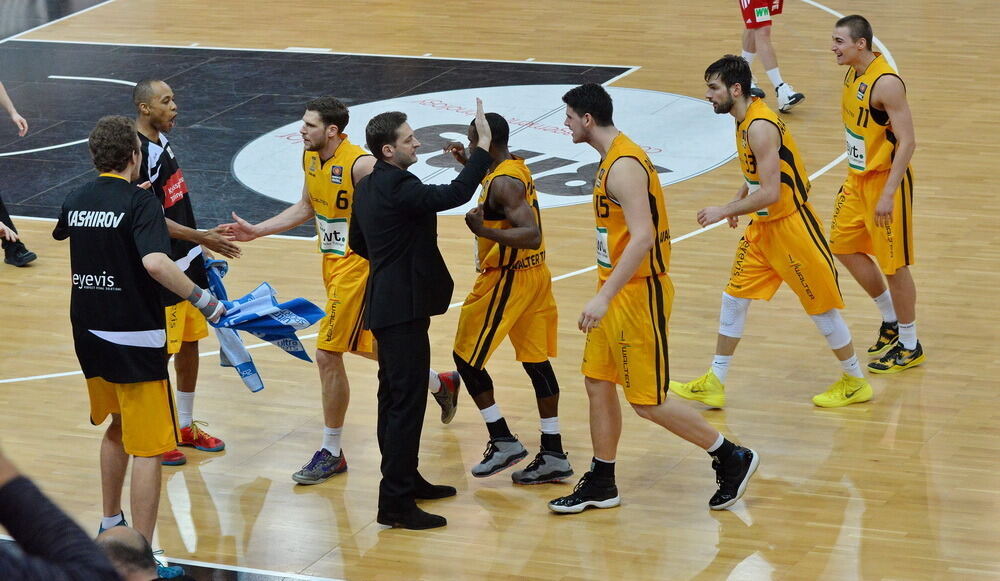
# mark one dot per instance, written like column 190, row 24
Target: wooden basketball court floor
column 903, row 487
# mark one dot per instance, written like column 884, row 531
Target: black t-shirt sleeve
column 149, row 228
column 61, row 231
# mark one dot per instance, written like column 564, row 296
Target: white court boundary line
column 681, row 238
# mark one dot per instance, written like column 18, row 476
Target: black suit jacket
column 394, row 226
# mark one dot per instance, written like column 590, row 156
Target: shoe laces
column 491, row 449
column 584, row 482
column 893, row 354
column 196, row 428
column 316, row 459
column 536, row 463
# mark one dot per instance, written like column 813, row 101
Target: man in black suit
column 394, row 226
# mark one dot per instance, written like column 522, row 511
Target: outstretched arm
column 298, row 213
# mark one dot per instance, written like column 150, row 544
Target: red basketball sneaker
column 199, row 439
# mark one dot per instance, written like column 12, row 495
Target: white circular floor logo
column 682, row 135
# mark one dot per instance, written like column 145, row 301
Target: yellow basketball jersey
column 492, row 254
column 612, row 231
column 870, row 142
column 331, row 191
column 794, row 186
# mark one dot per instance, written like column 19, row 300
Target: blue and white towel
column 259, row 314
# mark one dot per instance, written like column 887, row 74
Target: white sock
column 908, row 335
column 748, row 56
column 852, row 367
column 491, row 414
column 550, row 425
column 720, row 366
column 718, row 442
column 603, row 460
column 109, row 521
column 185, row 408
column 884, row 304
column 775, row 77
column 331, row 440
column 433, row 381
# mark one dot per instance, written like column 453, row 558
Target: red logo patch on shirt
column 175, row 189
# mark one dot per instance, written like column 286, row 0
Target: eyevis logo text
column 102, row 282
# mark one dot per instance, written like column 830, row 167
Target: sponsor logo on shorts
column 797, row 269
column 762, row 14
column 99, row 282
column 337, row 174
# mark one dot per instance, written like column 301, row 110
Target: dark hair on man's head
column 382, row 130
column 498, row 127
column 331, row 111
column 859, row 27
column 128, row 553
column 112, row 143
column 143, row 91
column 591, row 98
column 731, row 70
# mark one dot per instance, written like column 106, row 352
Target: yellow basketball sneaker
column 898, row 359
column 707, row 389
column 847, row 390
column 888, row 336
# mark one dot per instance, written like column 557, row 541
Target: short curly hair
column 112, row 143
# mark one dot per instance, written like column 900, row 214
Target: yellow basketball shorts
column 629, row 345
column 341, row 329
column 185, row 324
column 854, row 228
column 149, row 422
column 508, row 303
column 793, row 250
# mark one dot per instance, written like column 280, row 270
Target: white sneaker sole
column 743, row 485
column 609, row 503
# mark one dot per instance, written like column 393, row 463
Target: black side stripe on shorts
column 486, row 319
column 816, row 233
column 358, row 325
column 654, row 292
column 173, row 410
column 906, row 197
column 483, row 345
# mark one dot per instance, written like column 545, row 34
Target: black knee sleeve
column 543, row 379
column 476, row 381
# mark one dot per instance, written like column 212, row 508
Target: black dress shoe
column 19, row 255
column 428, row 491
column 414, row 519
